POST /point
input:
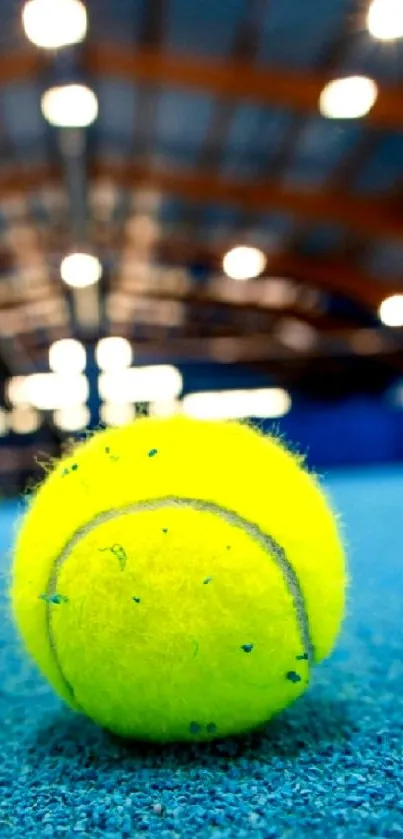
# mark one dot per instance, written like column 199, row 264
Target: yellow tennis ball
column 177, row 579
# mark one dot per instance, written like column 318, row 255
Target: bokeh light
column 80, row 270
column 67, row 356
column 70, row 106
column 262, row 403
column 117, row 413
column 385, row 19
column 244, row 263
column 113, row 353
column 24, row 419
column 141, row 384
column 348, row 98
column 391, row 310
column 51, row 24
column 72, row 418
column 15, row 390
column 48, row 391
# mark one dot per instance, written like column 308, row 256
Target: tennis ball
column 177, row 579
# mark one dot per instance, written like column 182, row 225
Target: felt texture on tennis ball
column 177, row 579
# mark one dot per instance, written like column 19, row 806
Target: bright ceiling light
column 24, row 420
column 48, row 391
column 263, row 403
column 113, row 353
column 243, row 263
column 348, row 98
column 80, row 270
column 385, row 19
column 391, row 310
column 67, row 356
column 141, row 384
column 51, row 24
column 72, row 418
column 70, row 106
column 113, row 413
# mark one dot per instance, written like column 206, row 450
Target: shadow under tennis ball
column 311, row 726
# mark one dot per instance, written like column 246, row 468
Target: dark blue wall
column 358, row 430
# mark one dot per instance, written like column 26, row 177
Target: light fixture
column 80, row 270
column 24, row 420
column 113, row 353
column 67, row 356
column 385, row 19
column 48, row 391
column 262, row 403
column 117, row 413
column 72, row 418
column 244, row 263
column 141, row 384
column 70, row 106
column 52, row 24
column 391, row 310
column 348, row 98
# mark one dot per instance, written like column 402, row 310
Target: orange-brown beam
column 369, row 216
column 372, row 217
column 267, row 85
column 15, row 66
column 238, row 80
column 365, row 215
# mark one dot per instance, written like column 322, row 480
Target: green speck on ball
column 292, row 676
column 195, row 728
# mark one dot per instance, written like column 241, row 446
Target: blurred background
column 201, row 210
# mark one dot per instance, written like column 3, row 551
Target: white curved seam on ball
column 253, row 530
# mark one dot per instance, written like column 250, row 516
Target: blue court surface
column 330, row 765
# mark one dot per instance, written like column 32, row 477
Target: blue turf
column 330, row 765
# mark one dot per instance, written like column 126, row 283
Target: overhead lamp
column 244, row 263
column 48, row 391
column 70, row 106
column 72, row 418
column 348, row 98
column 80, row 270
column 113, row 353
column 24, row 419
column 385, row 20
column 263, row 403
column 117, row 413
column 391, row 310
column 141, row 384
column 51, row 24
column 67, row 356
column 15, row 390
